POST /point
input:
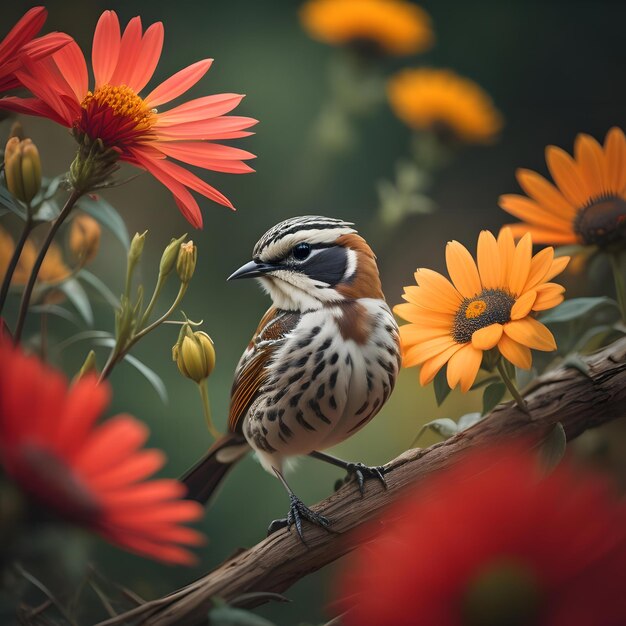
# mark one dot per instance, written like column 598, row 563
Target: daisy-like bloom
column 114, row 113
column 587, row 203
column 21, row 42
column 489, row 542
column 487, row 305
column 441, row 101
column 92, row 475
column 392, row 27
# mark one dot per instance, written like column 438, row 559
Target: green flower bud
column 194, row 354
column 186, row 261
column 88, row 367
column 124, row 322
column 136, row 248
column 22, row 168
column 170, row 254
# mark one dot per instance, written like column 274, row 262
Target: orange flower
column 389, row 26
column 485, row 306
column 130, row 124
column 91, row 475
column 586, row 205
column 21, row 42
column 443, row 102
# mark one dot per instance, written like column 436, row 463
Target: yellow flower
column 587, row 204
column 487, row 305
column 445, row 103
column 389, row 26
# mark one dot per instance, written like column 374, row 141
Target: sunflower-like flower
column 392, row 27
column 92, row 475
column 21, row 42
column 441, row 101
column 114, row 113
column 485, row 306
column 489, row 542
column 587, row 204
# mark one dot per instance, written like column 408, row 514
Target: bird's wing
column 251, row 373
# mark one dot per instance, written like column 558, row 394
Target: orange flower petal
column 514, row 352
column 488, row 256
column 506, row 246
column 178, row 84
column 428, row 349
column 419, row 315
column 486, row 338
column 463, row 367
column 432, row 366
column 545, row 194
column 414, row 333
column 439, row 291
column 539, row 267
column 521, row 264
column 543, row 235
column 615, row 155
column 558, row 265
column 549, row 295
column 590, row 161
column 566, row 175
column 106, row 47
column 531, row 333
column 462, row 269
column 523, row 305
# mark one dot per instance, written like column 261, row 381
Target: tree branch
column 563, row 395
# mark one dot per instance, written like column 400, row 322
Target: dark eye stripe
column 328, row 266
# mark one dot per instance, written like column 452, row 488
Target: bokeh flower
column 21, row 42
column 587, row 203
column 491, row 542
column 487, row 305
column 84, row 238
column 92, row 475
column 442, row 102
column 115, row 114
column 392, row 27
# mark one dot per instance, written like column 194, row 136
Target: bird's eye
column 301, row 251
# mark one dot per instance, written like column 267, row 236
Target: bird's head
column 307, row 262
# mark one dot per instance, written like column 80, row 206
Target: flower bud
column 186, row 261
column 136, row 248
column 84, row 238
column 22, row 168
column 88, row 367
column 194, row 354
column 170, row 255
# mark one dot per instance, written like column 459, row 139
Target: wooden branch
column 563, row 395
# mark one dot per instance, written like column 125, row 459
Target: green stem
column 620, row 290
column 6, row 282
column 28, row 291
column 510, row 385
column 153, row 300
column 203, row 387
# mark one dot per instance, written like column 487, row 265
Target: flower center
column 116, row 115
column 504, row 593
column 602, row 222
column 491, row 306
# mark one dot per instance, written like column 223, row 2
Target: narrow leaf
column 55, row 309
column 552, row 448
column 78, row 297
column 9, row 202
column 100, row 287
column 441, row 387
column 230, row 616
column 108, row 216
column 84, row 336
column 468, row 420
column 492, row 396
column 577, row 308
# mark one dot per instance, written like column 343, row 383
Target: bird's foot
column 297, row 512
column 362, row 472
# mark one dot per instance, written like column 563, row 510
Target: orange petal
column 590, row 159
column 506, row 245
column 558, row 265
column 539, row 267
column 549, row 295
column 515, row 353
column 414, row 333
column 529, row 332
column 178, row 84
column 523, row 305
column 545, row 194
column 486, row 338
column 432, row 366
column 528, row 210
column 441, row 294
column 615, row 159
column 427, row 349
column 106, row 47
column 463, row 367
column 518, row 272
column 543, row 235
column 462, row 269
column 419, row 315
column 488, row 257
column 565, row 174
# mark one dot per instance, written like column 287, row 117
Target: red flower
column 21, row 42
column 115, row 113
column 489, row 542
column 92, row 475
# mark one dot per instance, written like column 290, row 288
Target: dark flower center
column 504, row 593
column 491, row 306
column 602, row 222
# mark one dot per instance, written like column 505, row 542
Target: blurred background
column 553, row 69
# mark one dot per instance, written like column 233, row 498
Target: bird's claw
column 361, row 472
column 297, row 512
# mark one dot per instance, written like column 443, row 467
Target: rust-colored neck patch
column 366, row 282
column 355, row 322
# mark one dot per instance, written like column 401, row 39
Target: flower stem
column 153, row 300
column 513, row 390
column 620, row 290
column 203, row 388
column 6, row 283
column 28, row 291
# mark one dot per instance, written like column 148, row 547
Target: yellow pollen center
column 122, row 101
column 475, row 308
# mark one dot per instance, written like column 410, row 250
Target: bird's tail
column 205, row 476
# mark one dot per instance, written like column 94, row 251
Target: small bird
column 321, row 364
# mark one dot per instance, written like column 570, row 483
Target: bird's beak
column 252, row 269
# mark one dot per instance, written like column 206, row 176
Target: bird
column 321, row 364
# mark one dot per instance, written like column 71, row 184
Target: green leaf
column 441, row 387
column 55, row 309
column 484, row 381
column 100, row 287
column 598, row 337
column 48, row 210
column 104, row 212
column 577, row 308
column 468, row 420
column 552, row 448
column 78, row 297
column 84, row 336
column 492, row 396
column 231, row 616
column 10, row 203
column 444, row 426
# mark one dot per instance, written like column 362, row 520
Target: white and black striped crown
column 314, row 229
